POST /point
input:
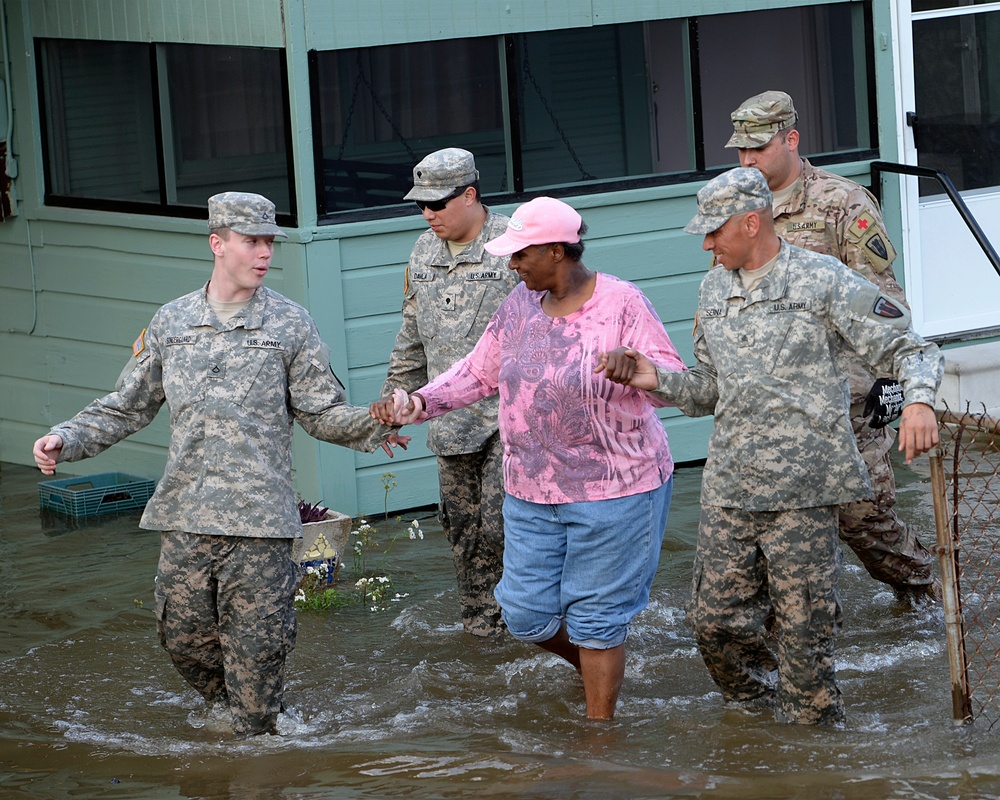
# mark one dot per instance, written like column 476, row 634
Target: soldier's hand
column 394, row 440
column 46, row 452
column 382, row 411
column 884, row 402
column 628, row 367
column 918, row 430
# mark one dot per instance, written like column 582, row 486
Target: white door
column 950, row 59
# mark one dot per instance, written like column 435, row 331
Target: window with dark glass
column 160, row 128
column 590, row 108
column 380, row 110
column 957, row 87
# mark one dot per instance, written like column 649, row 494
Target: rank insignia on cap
column 139, row 344
column 884, row 307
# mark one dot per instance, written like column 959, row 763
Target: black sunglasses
column 438, row 205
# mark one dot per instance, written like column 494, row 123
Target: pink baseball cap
column 543, row 220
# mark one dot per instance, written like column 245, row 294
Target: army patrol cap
column 735, row 192
column 243, row 212
column 441, row 173
column 760, row 117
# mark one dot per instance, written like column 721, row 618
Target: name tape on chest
column 172, row 341
column 484, row 275
column 808, row 225
column 263, row 344
column 420, row 275
column 781, row 306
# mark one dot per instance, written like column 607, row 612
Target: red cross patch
column 862, row 225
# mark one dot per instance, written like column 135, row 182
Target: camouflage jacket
column 768, row 369
column 233, row 392
column 447, row 304
column 834, row 215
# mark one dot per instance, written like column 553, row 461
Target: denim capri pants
column 590, row 564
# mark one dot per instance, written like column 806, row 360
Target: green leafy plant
column 315, row 591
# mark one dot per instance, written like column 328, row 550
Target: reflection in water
column 403, row 704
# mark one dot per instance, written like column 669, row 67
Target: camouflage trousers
column 471, row 513
column 745, row 564
column 226, row 615
column 885, row 545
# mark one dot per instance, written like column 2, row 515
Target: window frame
column 506, row 45
column 162, row 129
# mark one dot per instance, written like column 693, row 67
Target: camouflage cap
column 760, row 117
column 735, row 192
column 440, row 173
column 243, row 212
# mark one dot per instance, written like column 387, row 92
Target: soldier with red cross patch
column 829, row 214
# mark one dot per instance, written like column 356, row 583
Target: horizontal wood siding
column 250, row 23
column 341, row 24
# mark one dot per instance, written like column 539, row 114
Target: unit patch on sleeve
column 139, row 344
column 877, row 246
column 884, row 307
column 862, row 226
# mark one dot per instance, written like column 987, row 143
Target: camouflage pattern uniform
column 448, row 301
column 226, row 505
column 834, row 215
column 782, row 454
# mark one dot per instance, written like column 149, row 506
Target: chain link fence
column 966, row 486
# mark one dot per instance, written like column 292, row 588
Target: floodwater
column 401, row 704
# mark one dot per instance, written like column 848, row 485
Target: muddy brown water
column 400, row 704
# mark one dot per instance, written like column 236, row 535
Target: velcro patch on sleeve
column 139, row 345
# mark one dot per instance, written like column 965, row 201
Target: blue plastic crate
column 102, row 493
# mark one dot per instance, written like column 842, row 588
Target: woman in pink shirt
column 587, row 468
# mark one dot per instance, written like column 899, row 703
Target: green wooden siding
column 256, row 23
column 340, row 24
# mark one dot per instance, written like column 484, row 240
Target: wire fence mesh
column 965, row 475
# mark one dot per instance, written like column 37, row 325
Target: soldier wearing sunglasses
column 451, row 289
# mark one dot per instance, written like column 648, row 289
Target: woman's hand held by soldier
column 628, row 367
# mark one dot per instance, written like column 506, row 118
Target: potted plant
column 324, row 538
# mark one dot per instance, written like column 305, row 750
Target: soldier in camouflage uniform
column 236, row 364
column 772, row 328
column 820, row 211
column 451, row 290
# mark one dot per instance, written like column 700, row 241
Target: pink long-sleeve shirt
column 569, row 435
